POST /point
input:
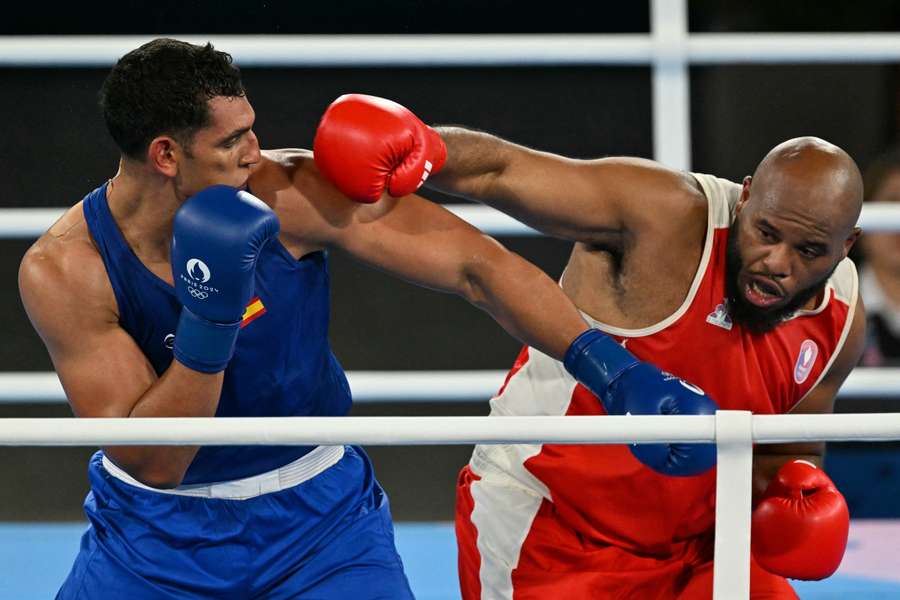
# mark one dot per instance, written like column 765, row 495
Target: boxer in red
column 742, row 289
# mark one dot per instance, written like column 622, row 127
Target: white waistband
column 304, row 468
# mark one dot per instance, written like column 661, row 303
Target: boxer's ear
column 162, row 155
column 745, row 193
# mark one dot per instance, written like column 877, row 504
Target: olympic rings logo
column 198, row 294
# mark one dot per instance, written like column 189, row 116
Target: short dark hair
column 163, row 88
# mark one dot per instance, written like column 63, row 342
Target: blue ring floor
column 35, row 558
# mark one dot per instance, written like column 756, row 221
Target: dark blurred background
column 55, row 149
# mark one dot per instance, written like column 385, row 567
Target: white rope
column 872, row 383
column 779, row 429
column 768, row 48
column 475, row 50
column 352, row 430
column 490, row 220
column 343, row 50
column 436, row 430
column 423, row 386
column 27, row 222
column 32, row 222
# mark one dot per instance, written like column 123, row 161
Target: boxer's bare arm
column 71, row 304
column 573, row 199
column 423, row 243
column 768, row 458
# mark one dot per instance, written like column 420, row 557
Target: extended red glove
column 800, row 527
column 365, row 144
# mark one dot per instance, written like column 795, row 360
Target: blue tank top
column 282, row 365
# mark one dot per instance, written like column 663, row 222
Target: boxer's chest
column 636, row 295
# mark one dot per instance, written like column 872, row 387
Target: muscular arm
column 768, row 458
column 425, row 244
column 104, row 373
column 579, row 200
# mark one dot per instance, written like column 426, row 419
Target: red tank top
column 602, row 491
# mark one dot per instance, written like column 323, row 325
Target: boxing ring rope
column 420, row 386
column 412, row 50
column 25, row 223
column 733, row 432
column 431, row 431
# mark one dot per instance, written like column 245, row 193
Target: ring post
column 734, row 475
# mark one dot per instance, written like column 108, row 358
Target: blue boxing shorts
column 317, row 528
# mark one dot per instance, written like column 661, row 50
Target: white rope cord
column 345, row 50
column 27, row 222
column 768, row 48
column 32, row 222
column 423, row 386
column 349, row 430
column 475, row 50
column 389, row 431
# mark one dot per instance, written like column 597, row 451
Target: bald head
column 794, row 224
column 808, row 174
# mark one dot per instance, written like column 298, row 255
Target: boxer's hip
column 227, row 527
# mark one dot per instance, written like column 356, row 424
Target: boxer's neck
column 143, row 205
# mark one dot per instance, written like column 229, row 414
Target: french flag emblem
column 805, row 361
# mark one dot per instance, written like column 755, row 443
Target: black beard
column 752, row 317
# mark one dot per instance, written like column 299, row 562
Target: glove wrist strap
column 596, row 360
column 204, row 345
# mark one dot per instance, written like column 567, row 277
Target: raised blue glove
column 216, row 239
column 625, row 385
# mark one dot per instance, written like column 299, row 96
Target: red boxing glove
column 365, row 144
column 800, row 527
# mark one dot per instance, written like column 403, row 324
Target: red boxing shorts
column 544, row 558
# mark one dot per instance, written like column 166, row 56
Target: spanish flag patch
column 254, row 310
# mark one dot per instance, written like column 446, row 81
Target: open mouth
column 761, row 292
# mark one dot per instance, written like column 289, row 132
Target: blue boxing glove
column 626, row 385
column 217, row 236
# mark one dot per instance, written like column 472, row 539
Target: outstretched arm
column 369, row 146
column 425, row 244
column 568, row 198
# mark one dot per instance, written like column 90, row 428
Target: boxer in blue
column 194, row 283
